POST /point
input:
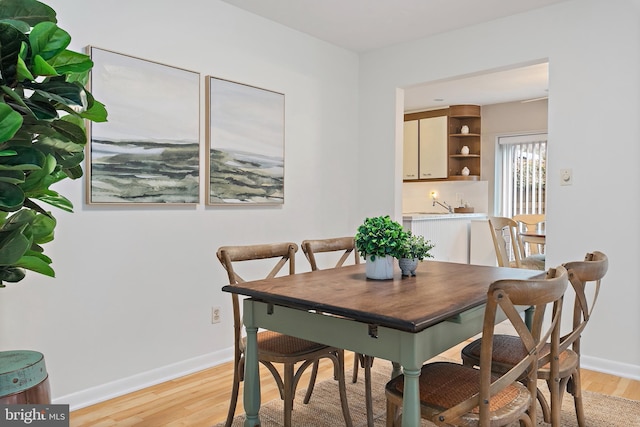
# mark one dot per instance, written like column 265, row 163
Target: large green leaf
column 26, row 158
column 29, row 11
column 96, row 113
column 11, row 176
column 74, row 172
column 22, row 71
column 70, row 130
column 10, row 274
column 42, row 228
column 67, row 62
column 47, row 40
column 41, row 108
column 42, row 68
column 11, row 41
column 21, row 26
column 60, row 91
column 10, row 122
column 58, row 201
column 13, row 245
column 36, row 262
column 11, row 196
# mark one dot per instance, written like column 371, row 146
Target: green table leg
column 411, row 399
column 528, row 317
column 251, row 378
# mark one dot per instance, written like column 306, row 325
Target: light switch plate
column 566, row 177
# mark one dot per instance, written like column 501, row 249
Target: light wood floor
column 202, row 399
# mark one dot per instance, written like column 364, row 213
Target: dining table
column 406, row 320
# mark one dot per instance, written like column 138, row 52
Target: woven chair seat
column 270, row 342
column 533, row 262
column 444, row 385
column 509, row 350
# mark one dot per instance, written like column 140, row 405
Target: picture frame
column 245, row 144
column 148, row 152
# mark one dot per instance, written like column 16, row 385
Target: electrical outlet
column 216, row 314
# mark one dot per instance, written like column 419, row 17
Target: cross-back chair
column 507, row 244
column 507, row 348
column 453, row 394
column 273, row 347
column 347, row 246
column 530, row 222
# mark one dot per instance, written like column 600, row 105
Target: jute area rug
column 324, row 408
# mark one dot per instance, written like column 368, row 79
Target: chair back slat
column 529, row 222
column 582, row 273
column 504, row 233
column 312, row 247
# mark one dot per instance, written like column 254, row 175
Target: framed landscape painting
column 149, row 150
column 245, row 144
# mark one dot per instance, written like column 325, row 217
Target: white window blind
column 523, row 177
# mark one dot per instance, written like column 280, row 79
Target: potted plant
column 379, row 240
column 413, row 250
column 43, row 108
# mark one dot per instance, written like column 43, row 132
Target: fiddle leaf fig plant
column 43, row 108
column 380, row 236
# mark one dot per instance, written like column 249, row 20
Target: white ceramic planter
column 379, row 269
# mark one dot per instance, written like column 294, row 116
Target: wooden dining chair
column 507, row 244
column 273, row 347
column 531, row 223
column 508, row 349
column 453, row 394
column 346, row 246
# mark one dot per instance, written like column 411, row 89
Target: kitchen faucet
column 444, row 205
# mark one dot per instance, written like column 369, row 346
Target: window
column 522, row 177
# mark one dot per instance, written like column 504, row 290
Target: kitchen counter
column 419, row 216
column 450, row 232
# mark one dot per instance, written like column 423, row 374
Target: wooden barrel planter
column 23, row 378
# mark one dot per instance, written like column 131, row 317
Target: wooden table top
column 439, row 291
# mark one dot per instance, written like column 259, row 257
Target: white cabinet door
column 410, row 150
column 433, row 147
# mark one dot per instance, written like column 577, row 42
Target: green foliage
column 43, row 109
column 416, row 247
column 380, row 236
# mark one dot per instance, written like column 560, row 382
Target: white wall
column 131, row 303
column 593, row 48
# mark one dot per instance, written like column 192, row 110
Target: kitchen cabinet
column 425, row 145
column 433, row 142
column 464, row 130
column 410, row 149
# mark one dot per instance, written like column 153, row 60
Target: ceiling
column 365, row 25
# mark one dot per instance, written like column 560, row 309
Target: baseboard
column 624, row 370
column 123, row 386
